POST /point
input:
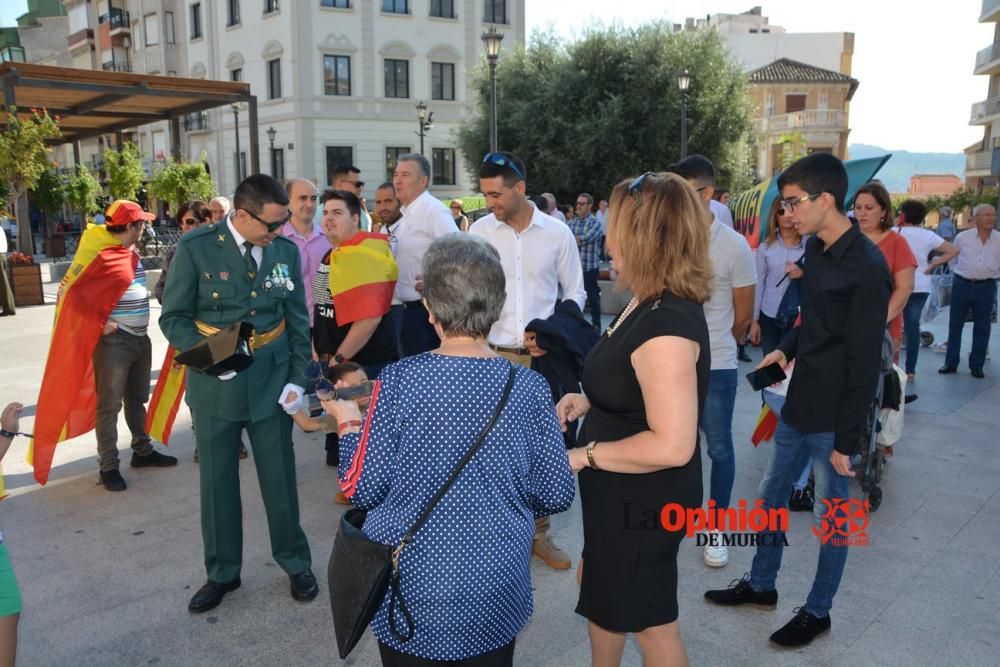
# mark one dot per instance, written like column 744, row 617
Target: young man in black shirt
column 837, row 352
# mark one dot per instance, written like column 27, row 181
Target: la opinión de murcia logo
column 844, row 523
column 743, row 525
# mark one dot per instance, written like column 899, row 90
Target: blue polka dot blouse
column 465, row 577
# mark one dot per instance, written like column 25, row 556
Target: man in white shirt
column 6, row 293
column 424, row 219
column 977, row 269
column 540, row 262
column 553, row 209
column 728, row 313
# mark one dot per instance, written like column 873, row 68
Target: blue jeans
column 911, row 328
column 717, row 425
column 791, row 449
column 980, row 297
column 593, row 289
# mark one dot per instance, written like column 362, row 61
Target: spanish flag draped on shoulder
column 101, row 271
column 362, row 277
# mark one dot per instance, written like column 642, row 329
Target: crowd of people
column 434, row 314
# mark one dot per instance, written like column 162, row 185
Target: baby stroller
column 870, row 465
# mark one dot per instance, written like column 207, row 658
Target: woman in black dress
column 645, row 384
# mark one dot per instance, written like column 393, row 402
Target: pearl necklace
column 632, row 305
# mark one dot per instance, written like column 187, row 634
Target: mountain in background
column 903, row 164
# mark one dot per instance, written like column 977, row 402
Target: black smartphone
column 766, row 376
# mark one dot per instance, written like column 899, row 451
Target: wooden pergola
column 93, row 103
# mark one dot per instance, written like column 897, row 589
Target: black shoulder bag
column 361, row 571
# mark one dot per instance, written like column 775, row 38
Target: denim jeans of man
column 593, row 289
column 121, row 372
column 717, row 425
column 791, row 449
column 979, row 296
column 911, row 328
column 770, row 333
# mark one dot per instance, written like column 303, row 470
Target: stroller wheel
column 874, row 498
column 926, row 338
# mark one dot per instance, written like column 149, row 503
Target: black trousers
column 502, row 657
column 593, row 289
column 418, row 335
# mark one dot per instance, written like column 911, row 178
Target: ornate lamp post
column 491, row 42
column 425, row 121
column 271, row 133
column 236, row 106
column 683, row 83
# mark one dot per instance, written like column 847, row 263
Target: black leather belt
column 413, row 304
column 509, row 350
column 976, row 282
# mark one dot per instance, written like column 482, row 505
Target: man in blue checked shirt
column 587, row 230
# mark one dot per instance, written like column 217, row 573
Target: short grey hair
column 425, row 166
column 945, row 211
column 464, row 285
column 221, row 201
column 982, row 207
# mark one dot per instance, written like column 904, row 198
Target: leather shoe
column 210, row 596
column 947, row 370
column 977, row 374
column 304, row 586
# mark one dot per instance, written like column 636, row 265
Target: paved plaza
column 106, row 577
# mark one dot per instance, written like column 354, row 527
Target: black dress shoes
column 210, row 596
column 947, row 370
column 304, row 586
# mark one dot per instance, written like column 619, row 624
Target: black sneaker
column 800, row 630
column 112, row 480
column 153, row 459
column 801, row 500
column 739, row 592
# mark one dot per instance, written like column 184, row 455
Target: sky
column 914, row 64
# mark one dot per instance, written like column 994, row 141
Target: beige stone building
column 801, row 109
column 986, row 113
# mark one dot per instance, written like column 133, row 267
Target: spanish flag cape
column 101, row 271
column 362, row 277
column 166, row 398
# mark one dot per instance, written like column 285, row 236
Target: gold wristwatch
column 590, row 455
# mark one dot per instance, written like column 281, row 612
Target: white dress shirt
column 539, row 264
column 257, row 252
column 721, row 212
column 977, row 260
column 424, row 219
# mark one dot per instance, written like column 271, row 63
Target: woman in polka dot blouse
column 465, row 577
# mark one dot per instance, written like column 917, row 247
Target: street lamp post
column 425, row 121
column 683, row 83
column 271, row 133
column 491, row 42
column 236, row 106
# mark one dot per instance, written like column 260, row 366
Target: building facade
column 339, row 81
column 979, row 157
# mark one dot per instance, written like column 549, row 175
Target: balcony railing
column 988, row 55
column 118, row 18
column 983, row 110
column 979, row 161
column 990, row 8
column 12, row 54
column 809, row 119
column 196, row 122
column 117, row 66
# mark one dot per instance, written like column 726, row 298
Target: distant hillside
column 897, row 171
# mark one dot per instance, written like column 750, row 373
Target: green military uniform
column 212, row 284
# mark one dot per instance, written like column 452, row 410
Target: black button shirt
column 838, row 345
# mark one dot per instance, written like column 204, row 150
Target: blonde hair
column 772, row 223
column 659, row 233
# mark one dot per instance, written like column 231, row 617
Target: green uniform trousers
column 221, row 509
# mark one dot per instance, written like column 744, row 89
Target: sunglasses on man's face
column 502, row 160
column 272, row 227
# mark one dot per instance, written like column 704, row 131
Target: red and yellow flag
column 767, row 424
column 101, row 271
column 166, row 398
column 362, row 277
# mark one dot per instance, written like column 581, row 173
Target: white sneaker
column 716, row 555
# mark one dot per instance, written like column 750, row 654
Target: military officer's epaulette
column 211, row 229
column 281, row 238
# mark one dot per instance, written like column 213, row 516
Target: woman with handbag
column 461, row 437
column 645, row 382
column 774, row 310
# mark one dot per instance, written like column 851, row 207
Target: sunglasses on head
column 272, row 227
column 502, row 160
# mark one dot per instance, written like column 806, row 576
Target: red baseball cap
column 123, row 212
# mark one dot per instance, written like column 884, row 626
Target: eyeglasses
column 502, row 160
column 359, row 184
column 272, row 227
column 790, row 204
column 189, row 221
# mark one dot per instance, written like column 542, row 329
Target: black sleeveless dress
column 630, row 561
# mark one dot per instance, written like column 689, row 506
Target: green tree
column 49, row 193
column 124, row 171
column 793, row 146
column 23, row 159
column 82, row 191
column 178, row 181
column 585, row 115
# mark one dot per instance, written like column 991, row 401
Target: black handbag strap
column 395, row 592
